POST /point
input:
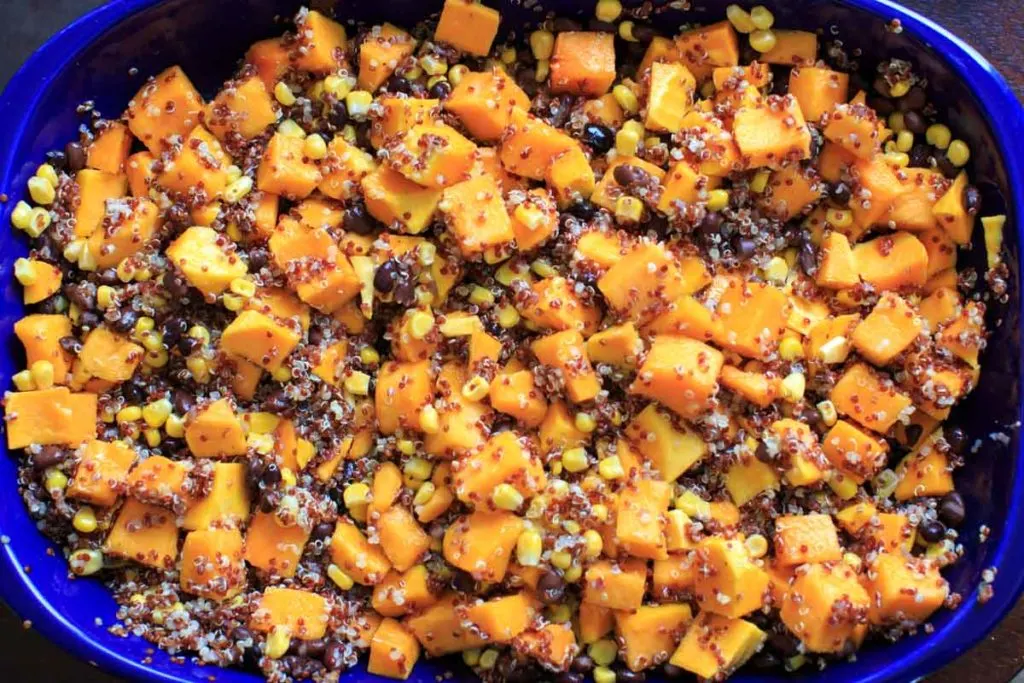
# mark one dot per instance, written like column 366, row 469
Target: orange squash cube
column 402, row 390
column 433, row 155
column 651, row 633
column 800, row 539
column 403, row 593
column 94, row 189
column 273, row 547
column 680, row 373
column 212, row 565
column 857, row 454
column 102, row 472
column 356, row 556
column 727, row 580
column 772, row 134
column 567, row 352
column 442, row 630
column 199, row 162
column 108, row 151
column 215, row 431
column 639, row 528
column 300, row 613
column 826, row 607
column 476, row 217
column 403, row 540
column 259, row 339
column 868, row 398
column 468, row 26
column 481, row 543
column 382, row 50
column 284, row 169
column 557, row 306
column 145, row 534
column 484, row 100
column 321, row 43
column 898, row 261
column 888, row 330
column 583, row 63
column 792, row 48
column 157, row 480
column 516, row 394
column 49, row 417
column 615, row 585
column 227, row 503
column 529, row 145
column 818, row 90
column 502, row 619
column 167, row 105
column 903, row 589
column 642, row 283
column 243, row 108
column 753, row 317
column 394, row 651
column 715, row 645
column 206, row 258
column 40, row 334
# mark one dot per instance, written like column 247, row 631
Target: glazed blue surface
column 91, row 59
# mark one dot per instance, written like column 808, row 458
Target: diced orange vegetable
column 481, row 543
column 382, row 50
column 868, row 398
column 468, row 26
column 567, row 352
column 826, row 607
column 484, row 102
column 715, row 645
column 616, row 585
column 145, row 534
column 301, row 613
column 393, row 651
column 898, row 261
column 102, row 472
column 680, row 373
column 772, row 134
column 166, row 106
column 800, row 539
column 727, row 581
column 49, row 417
column 211, row 563
column 903, row 589
column 817, row 90
column 583, row 63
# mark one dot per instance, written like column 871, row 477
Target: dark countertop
column 987, row 24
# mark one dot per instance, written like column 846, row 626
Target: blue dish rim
column 987, row 84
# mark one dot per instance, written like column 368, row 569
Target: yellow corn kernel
column 406, row 446
column 899, row 89
column 529, row 547
column 84, row 520
column 488, row 659
column 24, row 272
column 626, row 98
column 898, row 159
column 762, row 17
column 420, row 324
column 456, row 72
column 575, row 460
column 839, row 218
column 243, row 287
column 561, row 559
column 717, row 200
column 338, row 86
column 628, row 209
column 608, row 10
column 560, row 614
column 42, row 374
column 418, row 468
column 542, row 44
column 156, row 359
column 39, row 221
column 143, row 325
column 234, row 173
column 21, row 214
column 506, row 497
column 314, row 147
column 476, row 389
column 282, row 374
column 853, row 560
column 693, row 505
column 429, row 420
column 85, row 562
column 155, row 414
column 199, row 368
column 424, row 493
column 740, row 19
column 238, row 189
column 261, row 443
column 958, row 153
column 508, row 317
column 793, row 386
column 603, row 651
column 599, row 511
column 757, row 545
column 626, row 143
column 356, row 495
column 129, row 414
column 626, row 32
column 278, row 641
column 481, row 296
column 542, row 70
column 41, row 191
column 760, row 181
column 152, row 437
column 585, row 422
column 175, row 426
column 896, row 122
column 48, row 173
column 358, row 104
column 594, row 543
column 284, row 94
column 776, row 270
column 471, row 657
column 543, row 268
column 290, row 129
column 460, row 326
column 288, row 479
column 763, row 40
column 611, row 468
column 993, row 227
column 904, row 141
column 369, row 355
column 358, row 383
column 790, row 348
column 55, row 481
column 433, row 65
column 938, row 135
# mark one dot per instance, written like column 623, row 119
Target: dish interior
column 206, row 39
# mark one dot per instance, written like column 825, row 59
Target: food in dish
column 604, row 352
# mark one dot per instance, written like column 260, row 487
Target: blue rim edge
column 989, row 87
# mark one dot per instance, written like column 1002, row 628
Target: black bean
column 187, row 345
column 357, row 220
column 277, row 402
column 398, row 84
column 582, row 664
column 387, row 276
column 583, row 209
column 627, row 676
column 57, row 159
column 783, row 643
column 441, row 90
column 334, row 655
column 550, row 587
column 566, row 24
column 602, row 26
column 972, row 200
column 89, row 320
column 48, row 456
column 914, row 122
column 338, row 115
column 316, row 335
column 765, row 660
column 956, row 438
column 915, row 98
column 405, row 292
column 919, row 154
column 841, row 193
column 173, row 329
column 134, row 392
column 673, row 671
column 952, row 509
column 599, row 138
column 744, row 247
column 183, row 401
column 323, row 530
column 628, row 174
column 761, row 452
column 710, row 225
column 644, row 33
column 882, row 105
column 175, row 284
column 946, row 166
column 311, row 648
column 913, row 434
column 569, row 677
column 808, row 257
column 269, row 500
column 75, row 154
column 658, row 224
column 125, row 321
column 71, row 345
column 932, row 530
column 259, row 257
column 463, row 582
column 82, row 295
column 107, row 276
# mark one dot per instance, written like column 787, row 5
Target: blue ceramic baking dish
column 106, row 55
